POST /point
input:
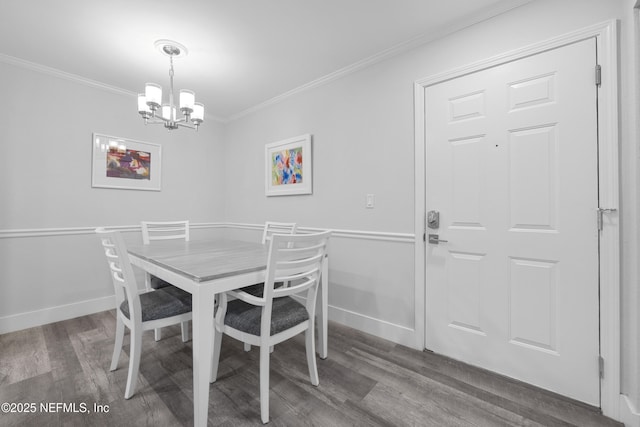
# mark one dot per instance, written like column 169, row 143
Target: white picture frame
column 288, row 167
column 124, row 163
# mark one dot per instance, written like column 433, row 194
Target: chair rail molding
column 343, row 233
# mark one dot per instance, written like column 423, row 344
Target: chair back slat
column 164, row 230
column 298, row 260
column 299, row 287
column 122, row 276
column 271, row 227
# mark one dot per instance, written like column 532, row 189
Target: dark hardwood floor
column 60, row 372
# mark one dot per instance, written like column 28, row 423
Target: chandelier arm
column 157, row 119
column 186, row 125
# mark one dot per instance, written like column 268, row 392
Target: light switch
column 370, row 201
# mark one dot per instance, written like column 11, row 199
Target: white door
column 512, row 169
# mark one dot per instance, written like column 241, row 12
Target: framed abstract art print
column 288, row 166
column 125, row 163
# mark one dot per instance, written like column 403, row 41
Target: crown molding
column 18, row 62
column 397, row 49
column 386, row 54
column 43, row 69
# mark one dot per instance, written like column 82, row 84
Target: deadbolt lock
column 433, row 219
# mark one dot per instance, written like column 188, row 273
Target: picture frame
column 288, row 167
column 125, row 163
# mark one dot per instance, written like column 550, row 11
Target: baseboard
column 380, row 328
column 629, row 415
column 32, row 319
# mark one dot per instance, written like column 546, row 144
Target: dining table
column 205, row 268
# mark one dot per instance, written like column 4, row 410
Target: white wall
column 361, row 145
column 362, row 126
column 45, row 188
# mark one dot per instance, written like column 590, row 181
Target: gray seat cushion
column 286, row 313
column 158, row 283
column 165, row 302
column 257, row 290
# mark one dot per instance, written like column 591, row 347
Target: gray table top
column 204, row 260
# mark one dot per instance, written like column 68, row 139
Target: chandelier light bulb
column 169, row 112
column 198, row 113
column 187, row 99
column 153, row 94
column 143, row 107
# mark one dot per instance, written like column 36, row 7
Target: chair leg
column 134, row 363
column 247, row 347
column 117, row 346
column 185, row 331
column 311, row 355
column 215, row 359
column 264, row 383
column 157, row 334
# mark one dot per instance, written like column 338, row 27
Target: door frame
column 605, row 35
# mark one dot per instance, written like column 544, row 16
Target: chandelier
column 150, row 104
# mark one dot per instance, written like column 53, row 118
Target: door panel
column 512, row 168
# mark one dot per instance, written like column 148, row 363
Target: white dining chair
column 138, row 312
column 276, row 316
column 270, row 228
column 164, row 230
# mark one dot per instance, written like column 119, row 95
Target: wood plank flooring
column 366, row 381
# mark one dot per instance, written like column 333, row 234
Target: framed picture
column 288, row 166
column 125, row 163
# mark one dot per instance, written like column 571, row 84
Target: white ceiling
column 242, row 53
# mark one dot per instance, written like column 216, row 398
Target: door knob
column 435, row 239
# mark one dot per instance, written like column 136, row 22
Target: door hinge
column 598, row 75
column 600, row 212
column 601, row 366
